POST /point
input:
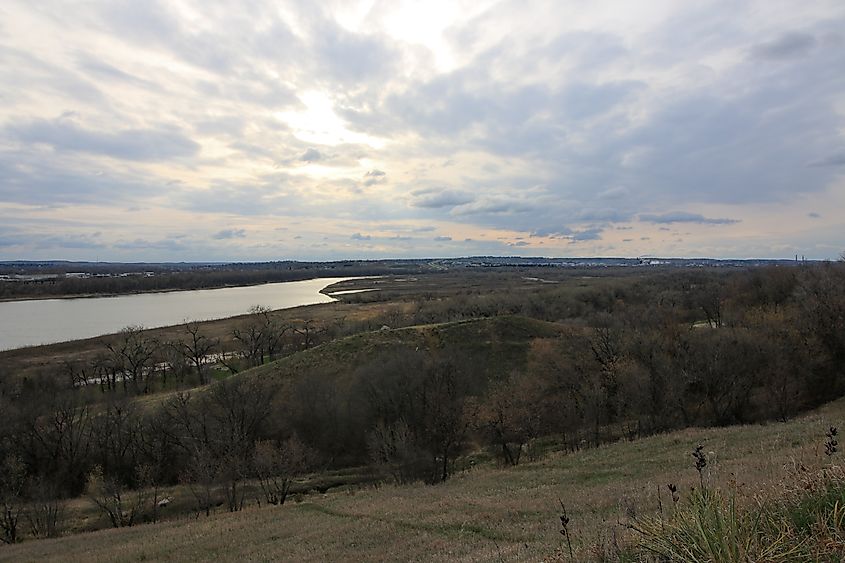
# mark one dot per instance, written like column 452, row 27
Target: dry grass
column 483, row 514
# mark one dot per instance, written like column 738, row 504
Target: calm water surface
column 45, row 321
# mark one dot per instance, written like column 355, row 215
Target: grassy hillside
column 486, row 513
column 500, row 344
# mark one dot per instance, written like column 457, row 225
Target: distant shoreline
column 70, row 296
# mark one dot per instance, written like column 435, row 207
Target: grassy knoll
column 482, row 514
column 499, row 344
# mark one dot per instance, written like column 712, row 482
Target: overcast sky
column 204, row 130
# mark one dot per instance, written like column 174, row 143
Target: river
column 46, row 321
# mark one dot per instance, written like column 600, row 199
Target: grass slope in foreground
column 484, row 514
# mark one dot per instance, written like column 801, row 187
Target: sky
column 207, row 130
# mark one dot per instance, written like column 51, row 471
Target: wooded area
column 564, row 366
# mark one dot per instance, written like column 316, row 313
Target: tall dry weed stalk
column 831, row 444
column 700, row 463
column 564, row 528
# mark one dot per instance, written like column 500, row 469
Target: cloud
column 39, row 176
column 814, row 215
column 683, row 217
column 606, row 214
column 350, row 58
column 552, row 232
column 40, row 241
column 262, row 197
column 374, row 177
column 102, row 69
column 311, row 155
column 231, row 125
column 226, row 234
column 130, row 144
column 788, row 45
column 584, row 100
column 615, row 193
column 497, row 205
column 142, row 244
column 442, row 239
column 593, row 233
column 359, row 236
column 834, row 159
column 508, row 123
column 440, row 199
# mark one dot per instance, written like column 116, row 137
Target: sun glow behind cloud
column 318, row 123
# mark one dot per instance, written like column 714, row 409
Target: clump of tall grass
column 711, row 526
column 802, row 521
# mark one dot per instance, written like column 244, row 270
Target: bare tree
column 197, row 350
column 821, row 294
column 238, row 408
column 607, row 350
column 277, row 466
column 308, row 332
column 12, row 477
column 233, row 468
column 121, row 506
column 115, row 438
column 46, row 509
column 252, row 336
column 105, row 372
column 443, row 422
column 394, row 449
column 79, row 375
column 218, row 431
column 201, row 476
column 172, row 361
column 132, row 354
column 274, row 331
column 60, row 440
column 712, row 304
column 509, row 417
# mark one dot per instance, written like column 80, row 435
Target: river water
column 46, row 321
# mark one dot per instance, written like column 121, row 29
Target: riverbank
column 170, row 290
column 31, row 361
column 35, row 322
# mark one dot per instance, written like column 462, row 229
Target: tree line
column 122, row 280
